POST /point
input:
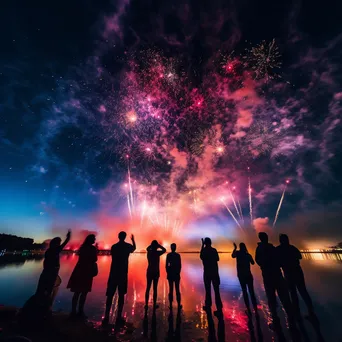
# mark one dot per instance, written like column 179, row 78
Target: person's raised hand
column 132, row 237
column 69, row 234
column 235, row 247
column 202, row 242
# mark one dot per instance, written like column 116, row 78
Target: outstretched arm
column 234, row 251
column 61, row 247
column 134, row 247
column 167, row 263
column 201, row 253
column 258, row 257
column 163, row 249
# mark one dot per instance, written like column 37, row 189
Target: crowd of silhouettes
column 280, row 267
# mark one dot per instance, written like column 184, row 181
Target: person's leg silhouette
column 301, row 286
column 250, row 286
column 178, row 294
column 245, row 295
column 109, row 303
column 171, row 291
column 271, row 295
column 294, row 296
column 207, row 286
column 121, row 302
column 74, row 302
column 218, row 301
column 148, row 288
column 155, row 292
column 284, row 296
column 81, row 303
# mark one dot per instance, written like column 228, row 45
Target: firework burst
column 264, row 59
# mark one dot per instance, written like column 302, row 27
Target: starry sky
column 112, row 109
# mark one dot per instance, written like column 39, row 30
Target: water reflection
column 323, row 277
column 323, row 256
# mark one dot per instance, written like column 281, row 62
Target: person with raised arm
column 243, row 264
column 51, row 265
column 154, row 251
column 118, row 276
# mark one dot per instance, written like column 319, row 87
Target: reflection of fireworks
column 262, row 137
column 263, row 59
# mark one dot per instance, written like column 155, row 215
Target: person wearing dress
column 81, row 280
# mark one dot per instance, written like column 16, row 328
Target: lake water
column 323, row 274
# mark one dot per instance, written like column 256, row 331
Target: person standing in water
column 266, row 257
column 118, row 277
column 210, row 258
column 173, row 269
column 81, row 279
column 51, row 266
column 243, row 263
column 289, row 257
column 154, row 251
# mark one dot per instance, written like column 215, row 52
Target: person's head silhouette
column 243, row 247
column 122, row 236
column 89, row 240
column 55, row 242
column 263, row 237
column 284, row 239
column 173, row 247
column 154, row 244
column 207, row 242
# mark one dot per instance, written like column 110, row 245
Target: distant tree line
column 17, row 243
column 339, row 245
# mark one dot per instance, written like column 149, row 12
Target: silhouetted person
column 51, row 266
column 154, row 251
column 81, row 279
column 289, row 257
column 118, row 276
column 210, row 257
column 243, row 263
column 173, row 269
column 266, row 257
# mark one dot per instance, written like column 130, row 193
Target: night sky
column 146, row 115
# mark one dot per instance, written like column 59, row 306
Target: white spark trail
column 279, row 206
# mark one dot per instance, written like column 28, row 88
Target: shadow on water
column 221, row 334
column 174, row 335
column 260, row 336
column 153, row 337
